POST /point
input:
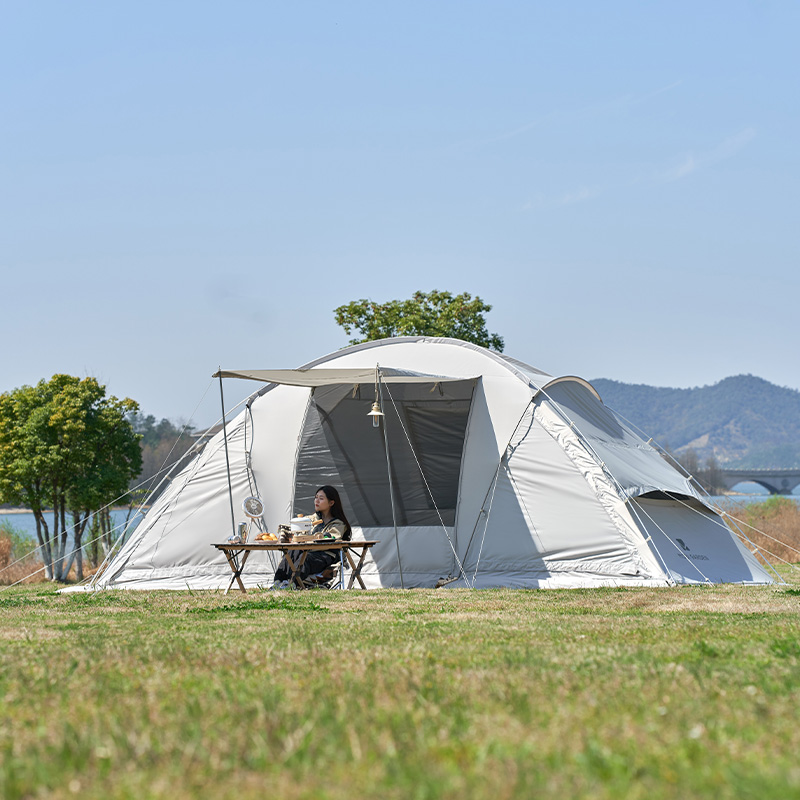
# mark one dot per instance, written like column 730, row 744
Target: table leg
column 295, row 569
column 237, row 568
column 355, row 575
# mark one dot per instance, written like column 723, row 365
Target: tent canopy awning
column 329, row 377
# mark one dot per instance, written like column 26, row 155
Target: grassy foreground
column 667, row 693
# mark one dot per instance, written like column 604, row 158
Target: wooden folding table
column 237, row 555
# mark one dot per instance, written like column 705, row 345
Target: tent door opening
column 339, row 446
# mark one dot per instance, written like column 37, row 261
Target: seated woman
column 330, row 521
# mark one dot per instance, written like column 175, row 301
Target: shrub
column 17, row 561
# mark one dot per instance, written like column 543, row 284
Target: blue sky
column 184, row 185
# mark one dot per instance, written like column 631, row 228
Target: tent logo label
column 693, row 556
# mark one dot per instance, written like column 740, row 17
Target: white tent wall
column 695, row 543
column 566, row 509
column 499, row 403
column 171, row 547
column 602, row 446
column 277, row 425
column 529, row 536
column 424, row 552
column 602, row 484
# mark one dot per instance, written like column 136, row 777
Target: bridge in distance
column 775, row 481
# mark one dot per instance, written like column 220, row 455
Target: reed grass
column 18, row 558
column 772, row 525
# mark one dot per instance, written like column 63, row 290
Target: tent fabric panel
column 697, row 545
column 179, row 529
column 194, row 511
column 497, row 406
column 601, row 484
column 636, row 466
column 425, row 356
column 277, row 424
column 425, row 555
column 208, row 576
column 525, row 526
column 316, row 467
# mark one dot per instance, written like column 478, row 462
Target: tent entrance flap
column 339, row 446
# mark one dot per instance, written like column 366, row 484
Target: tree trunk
column 125, row 526
column 43, row 535
column 55, row 538
column 92, row 546
column 105, row 523
column 62, row 510
column 80, row 526
column 78, row 558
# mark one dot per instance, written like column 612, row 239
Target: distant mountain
column 744, row 421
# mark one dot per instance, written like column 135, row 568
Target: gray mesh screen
column 339, row 446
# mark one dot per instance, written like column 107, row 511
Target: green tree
column 65, row 446
column 424, row 314
column 164, row 444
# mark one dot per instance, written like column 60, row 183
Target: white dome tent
column 501, row 475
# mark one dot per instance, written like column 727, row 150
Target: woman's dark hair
column 332, row 493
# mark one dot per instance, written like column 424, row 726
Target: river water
column 25, row 523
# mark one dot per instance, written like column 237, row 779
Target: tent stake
column 227, row 460
column 391, row 485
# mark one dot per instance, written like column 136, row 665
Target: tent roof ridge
column 514, row 366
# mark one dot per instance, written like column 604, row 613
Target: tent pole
column 227, row 459
column 391, row 484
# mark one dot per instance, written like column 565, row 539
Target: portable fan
column 253, row 507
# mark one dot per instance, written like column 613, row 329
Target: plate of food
column 266, row 537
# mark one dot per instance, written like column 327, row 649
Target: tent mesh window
column 340, row 446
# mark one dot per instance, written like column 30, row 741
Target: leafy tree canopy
column 424, row 314
column 153, row 432
column 65, row 445
column 164, row 446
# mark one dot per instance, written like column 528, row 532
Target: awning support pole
column 391, row 484
column 227, row 459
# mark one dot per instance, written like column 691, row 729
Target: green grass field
column 656, row 693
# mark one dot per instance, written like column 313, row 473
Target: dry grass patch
column 773, row 526
column 16, row 569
